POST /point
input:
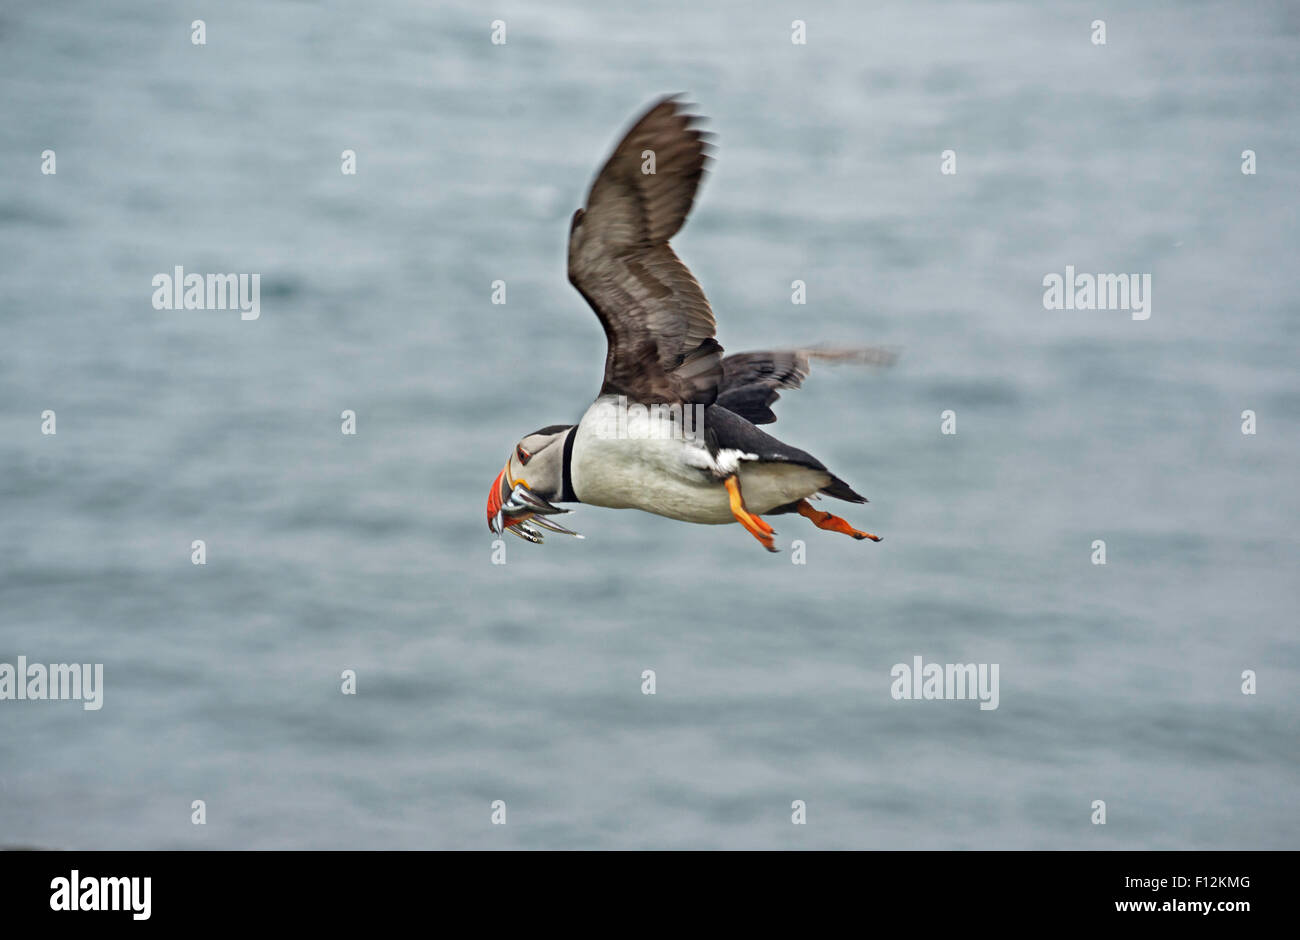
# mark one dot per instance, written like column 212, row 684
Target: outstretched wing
column 752, row 381
column 656, row 318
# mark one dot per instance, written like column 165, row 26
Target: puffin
column 674, row 429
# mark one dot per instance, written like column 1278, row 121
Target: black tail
column 841, row 490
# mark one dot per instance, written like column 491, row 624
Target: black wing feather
column 660, row 328
column 753, row 381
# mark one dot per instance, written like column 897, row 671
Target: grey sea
column 1162, row 684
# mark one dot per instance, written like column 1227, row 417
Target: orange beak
column 514, row 508
column 500, row 491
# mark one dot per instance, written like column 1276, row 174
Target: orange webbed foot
column 824, row 520
column 752, row 523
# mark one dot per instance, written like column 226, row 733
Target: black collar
column 566, row 490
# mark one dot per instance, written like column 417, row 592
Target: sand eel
column 673, row 430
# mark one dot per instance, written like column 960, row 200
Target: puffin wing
column 657, row 320
column 753, row 381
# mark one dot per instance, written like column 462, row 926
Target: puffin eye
column 522, row 454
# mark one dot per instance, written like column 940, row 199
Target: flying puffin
column 673, row 430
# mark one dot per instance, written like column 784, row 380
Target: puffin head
column 519, row 499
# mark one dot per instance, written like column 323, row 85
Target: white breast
column 675, row 478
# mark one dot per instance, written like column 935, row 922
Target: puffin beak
column 497, row 496
column 514, row 508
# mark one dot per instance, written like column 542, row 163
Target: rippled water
column 522, row 682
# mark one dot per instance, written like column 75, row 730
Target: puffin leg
column 753, row 524
column 824, row 520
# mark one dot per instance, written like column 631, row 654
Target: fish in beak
column 514, row 508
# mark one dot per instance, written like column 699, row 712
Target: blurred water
column 522, row 682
